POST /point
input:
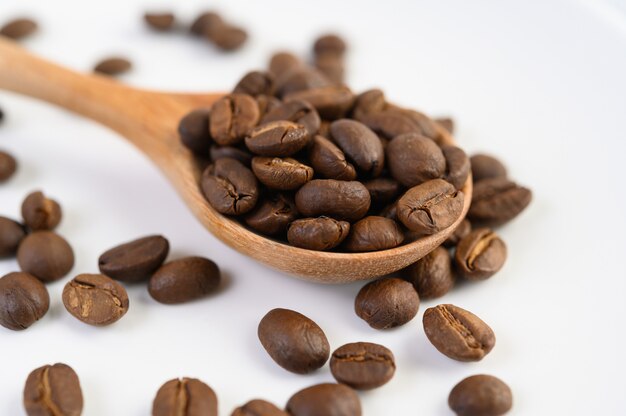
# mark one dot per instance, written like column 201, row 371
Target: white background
column 540, row 84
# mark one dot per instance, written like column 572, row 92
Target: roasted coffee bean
column 497, row 201
column 258, row 408
column 382, row 190
column 430, row 207
column 325, row 400
column 387, row 303
column 11, row 234
column 331, row 102
column 23, row 300
column 8, row 166
column 283, row 174
column 486, row 167
column 273, row 214
column 277, row 138
column 457, row 333
column 329, row 44
column 294, row 342
column 45, row 255
column 232, row 118
column 413, row 159
column 229, row 38
column 300, row 79
column 343, row 200
column 159, row 21
column 255, row 83
column 206, row 24
column 457, row 165
column 184, row 280
column 230, row 187
column 362, row 365
column 463, row 229
column 360, row 144
column 299, row 112
column 95, row 299
column 19, row 28
column 282, row 63
column 135, row 260
column 481, row 395
column 393, row 122
column 432, row 275
column 113, row 66
column 53, row 390
column 324, row 130
column 329, row 161
column 331, row 66
column 480, row 254
column 321, row 233
column 193, row 130
column 40, row 213
column 267, row 104
column 368, row 102
column 223, row 152
column 185, row 397
column 447, row 123
column 374, row 233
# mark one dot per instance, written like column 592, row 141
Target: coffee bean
column 113, row 66
column 267, row 104
column 53, row 390
column 415, row 159
column 324, row 130
column 223, row 152
column 300, row 79
column 229, row 38
column 232, row 118
column 486, row 167
column 159, row 21
column 273, row 214
column 40, row 213
column 331, row 102
column 95, row 299
column 255, row 83
column 447, row 123
column 374, row 233
column 481, row 395
column 329, row 161
column 299, row 112
column 283, row 174
column 258, row 408
column 382, row 190
column 360, row 144
column 11, row 234
column 135, row 260
column 325, row 400
column 283, row 62
column 430, row 207
column 457, row 165
column 206, row 23
column 331, row 66
column 8, row 166
column 393, row 122
column 329, row 44
column 321, row 233
column 185, row 397
column 342, row 200
column 432, row 275
column 387, row 303
column 362, row 365
column 497, row 201
column 23, row 300
column 457, row 333
column 184, row 280
column 277, row 138
column 368, row 102
column 193, row 130
column 463, row 229
column 294, row 341
column 19, row 28
column 45, row 255
column 230, row 187
column 480, row 254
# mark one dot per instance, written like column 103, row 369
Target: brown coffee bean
column 362, row 365
column 324, row 130
column 321, row 233
column 430, row 207
column 8, row 166
column 273, row 214
column 23, row 300
column 185, row 397
column 342, row 200
column 283, row 62
column 159, row 21
column 481, row 395
column 329, row 44
column 300, row 79
column 360, row 144
column 283, row 174
column 457, row 333
column 457, row 165
column 368, row 102
column 331, row 66
column 480, row 254
column 135, row 260
column 294, row 342
column 19, row 28
column 223, row 152
column 415, row 159
column 230, row 187
column 193, row 130
column 497, row 201
column 329, row 161
column 53, row 390
column 255, row 83
column 229, row 38
column 267, row 103
column 393, row 122
column 11, row 234
column 463, row 229
column 331, row 102
column 374, row 233
column 387, row 303
column 232, row 118
column 277, row 138
column 447, row 123
column 40, row 213
column 95, row 299
column 432, row 275
column 382, row 190
column 325, row 400
column 114, row 65
column 45, row 255
column 206, row 24
column 486, row 167
column 258, row 407
column 299, row 112
column 184, row 280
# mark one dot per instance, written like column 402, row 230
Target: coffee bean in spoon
column 40, row 212
column 135, row 260
column 374, row 233
column 53, row 390
column 360, row 144
column 387, row 303
column 297, row 111
column 193, row 130
column 322, row 233
column 115, row 65
column 95, row 299
column 277, row 139
column 414, row 159
column 457, row 165
column 342, row 200
column 331, row 102
column 273, row 214
column 23, row 300
column 8, row 166
column 11, row 234
column 481, row 395
column 45, row 255
column 222, row 152
column 230, row 187
column 185, row 397
column 232, row 118
column 329, row 161
column 184, row 280
column 255, row 83
column 284, row 174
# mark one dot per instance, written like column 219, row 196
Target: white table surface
column 540, row 84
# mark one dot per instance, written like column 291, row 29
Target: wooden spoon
column 150, row 120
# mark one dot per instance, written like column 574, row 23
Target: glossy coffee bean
column 325, row 400
column 273, row 214
column 463, row 229
column 23, row 300
column 382, row 190
column 161, row 22
column 11, row 234
column 481, row 395
column 232, row 118
column 497, row 201
column 368, row 102
column 294, row 341
column 40, row 212
column 486, row 167
column 360, row 144
column 193, row 130
column 135, row 260
column 374, row 233
column 331, row 102
column 267, row 103
column 432, row 275
column 362, row 365
column 95, row 299
column 258, row 407
column 184, row 280
column 255, row 83
column 53, row 390
column 457, row 333
column 297, row 111
column 457, row 165
column 283, row 62
column 223, row 152
column 277, row 138
column 329, row 44
column 230, row 187
column 413, row 159
column 342, row 200
column 285, row 174
column 480, row 254
column 392, row 122
column 329, row 161
column 300, row 79
column 320, row 234
column 331, row 66
column 115, row 65
column 229, row 37
column 45, row 255
column 447, row 123
column 8, row 166
column 185, row 397
column 387, row 303
column 19, row 28
column 206, row 24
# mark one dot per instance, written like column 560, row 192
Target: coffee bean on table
column 329, row 161
column 457, row 333
column 481, row 395
column 413, row 159
column 185, row 397
column 222, row 152
column 184, row 280
column 321, row 233
column 277, row 138
column 19, row 28
column 326, row 399
column 447, row 123
column 360, row 144
column 432, row 275
column 283, row 62
column 45, row 255
column 135, row 260
column 193, row 130
column 374, row 233
column 232, row 118
column 11, row 234
column 53, row 390
column 23, row 300
column 95, row 299
column 114, row 65
column 362, row 365
column 497, row 201
column 273, row 214
column 8, row 166
column 387, row 303
column 463, row 229
column 329, row 44
column 297, row 111
column 480, row 254
column 229, row 38
column 206, row 23
column 294, row 341
column 40, row 212
column 255, row 83
column 258, row 407
column 368, row 102
column 162, row 22
column 331, row 102
column 283, row 174
column 486, row 167
column 382, row 190
column 230, row 187
column 457, row 165
column 342, row 200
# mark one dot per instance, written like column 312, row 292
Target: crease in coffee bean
column 368, row 356
column 182, row 397
column 479, row 248
column 45, row 392
column 426, row 206
column 86, row 303
column 461, row 329
column 232, row 192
